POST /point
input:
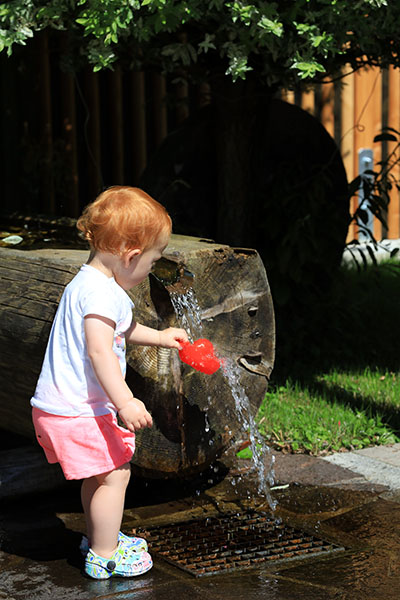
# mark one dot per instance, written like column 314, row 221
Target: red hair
column 122, row 218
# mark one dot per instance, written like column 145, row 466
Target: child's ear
column 130, row 255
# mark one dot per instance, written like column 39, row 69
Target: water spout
column 173, row 275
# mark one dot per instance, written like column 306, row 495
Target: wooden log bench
column 195, row 416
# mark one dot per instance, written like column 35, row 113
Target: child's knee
column 119, row 476
column 124, row 473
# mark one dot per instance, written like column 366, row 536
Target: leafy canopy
column 281, row 42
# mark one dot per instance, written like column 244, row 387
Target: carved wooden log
column 194, row 414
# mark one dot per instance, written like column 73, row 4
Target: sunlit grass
column 336, row 411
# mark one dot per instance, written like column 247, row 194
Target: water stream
column 188, row 312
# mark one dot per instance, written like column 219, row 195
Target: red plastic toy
column 200, row 355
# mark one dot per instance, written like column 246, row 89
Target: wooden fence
column 67, row 136
column 354, row 110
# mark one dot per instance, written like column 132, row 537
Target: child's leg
column 103, row 498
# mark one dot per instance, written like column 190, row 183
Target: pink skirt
column 84, row 446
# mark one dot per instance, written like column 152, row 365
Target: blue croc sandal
column 121, row 564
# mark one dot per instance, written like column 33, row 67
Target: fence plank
column 368, row 118
column 45, row 120
column 327, row 107
column 92, row 133
column 68, row 107
column 394, row 121
column 115, row 105
column 139, row 139
column 159, row 113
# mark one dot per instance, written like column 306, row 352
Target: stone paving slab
column 372, row 467
column 386, row 454
column 309, row 470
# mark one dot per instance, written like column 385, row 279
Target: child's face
column 135, row 265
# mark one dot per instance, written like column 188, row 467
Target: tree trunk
column 195, row 415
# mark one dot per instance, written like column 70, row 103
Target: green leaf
column 385, row 137
column 246, row 454
column 275, row 27
column 363, row 215
column 308, row 69
column 26, row 31
column 207, row 43
column 355, row 442
column 317, row 40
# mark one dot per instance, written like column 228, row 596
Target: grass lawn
column 347, row 395
column 336, row 411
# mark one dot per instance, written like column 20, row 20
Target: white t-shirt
column 67, row 384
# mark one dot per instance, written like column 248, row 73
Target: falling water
column 261, row 453
column 188, row 313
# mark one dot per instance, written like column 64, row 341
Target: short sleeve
column 101, row 304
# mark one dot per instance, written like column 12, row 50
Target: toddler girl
column 82, row 385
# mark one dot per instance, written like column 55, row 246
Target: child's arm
column 99, row 334
column 146, row 336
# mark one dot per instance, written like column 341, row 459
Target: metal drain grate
column 231, row 542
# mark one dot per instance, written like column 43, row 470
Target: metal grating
column 231, row 542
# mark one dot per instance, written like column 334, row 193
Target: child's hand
column 173, row 338
column 135, row 416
